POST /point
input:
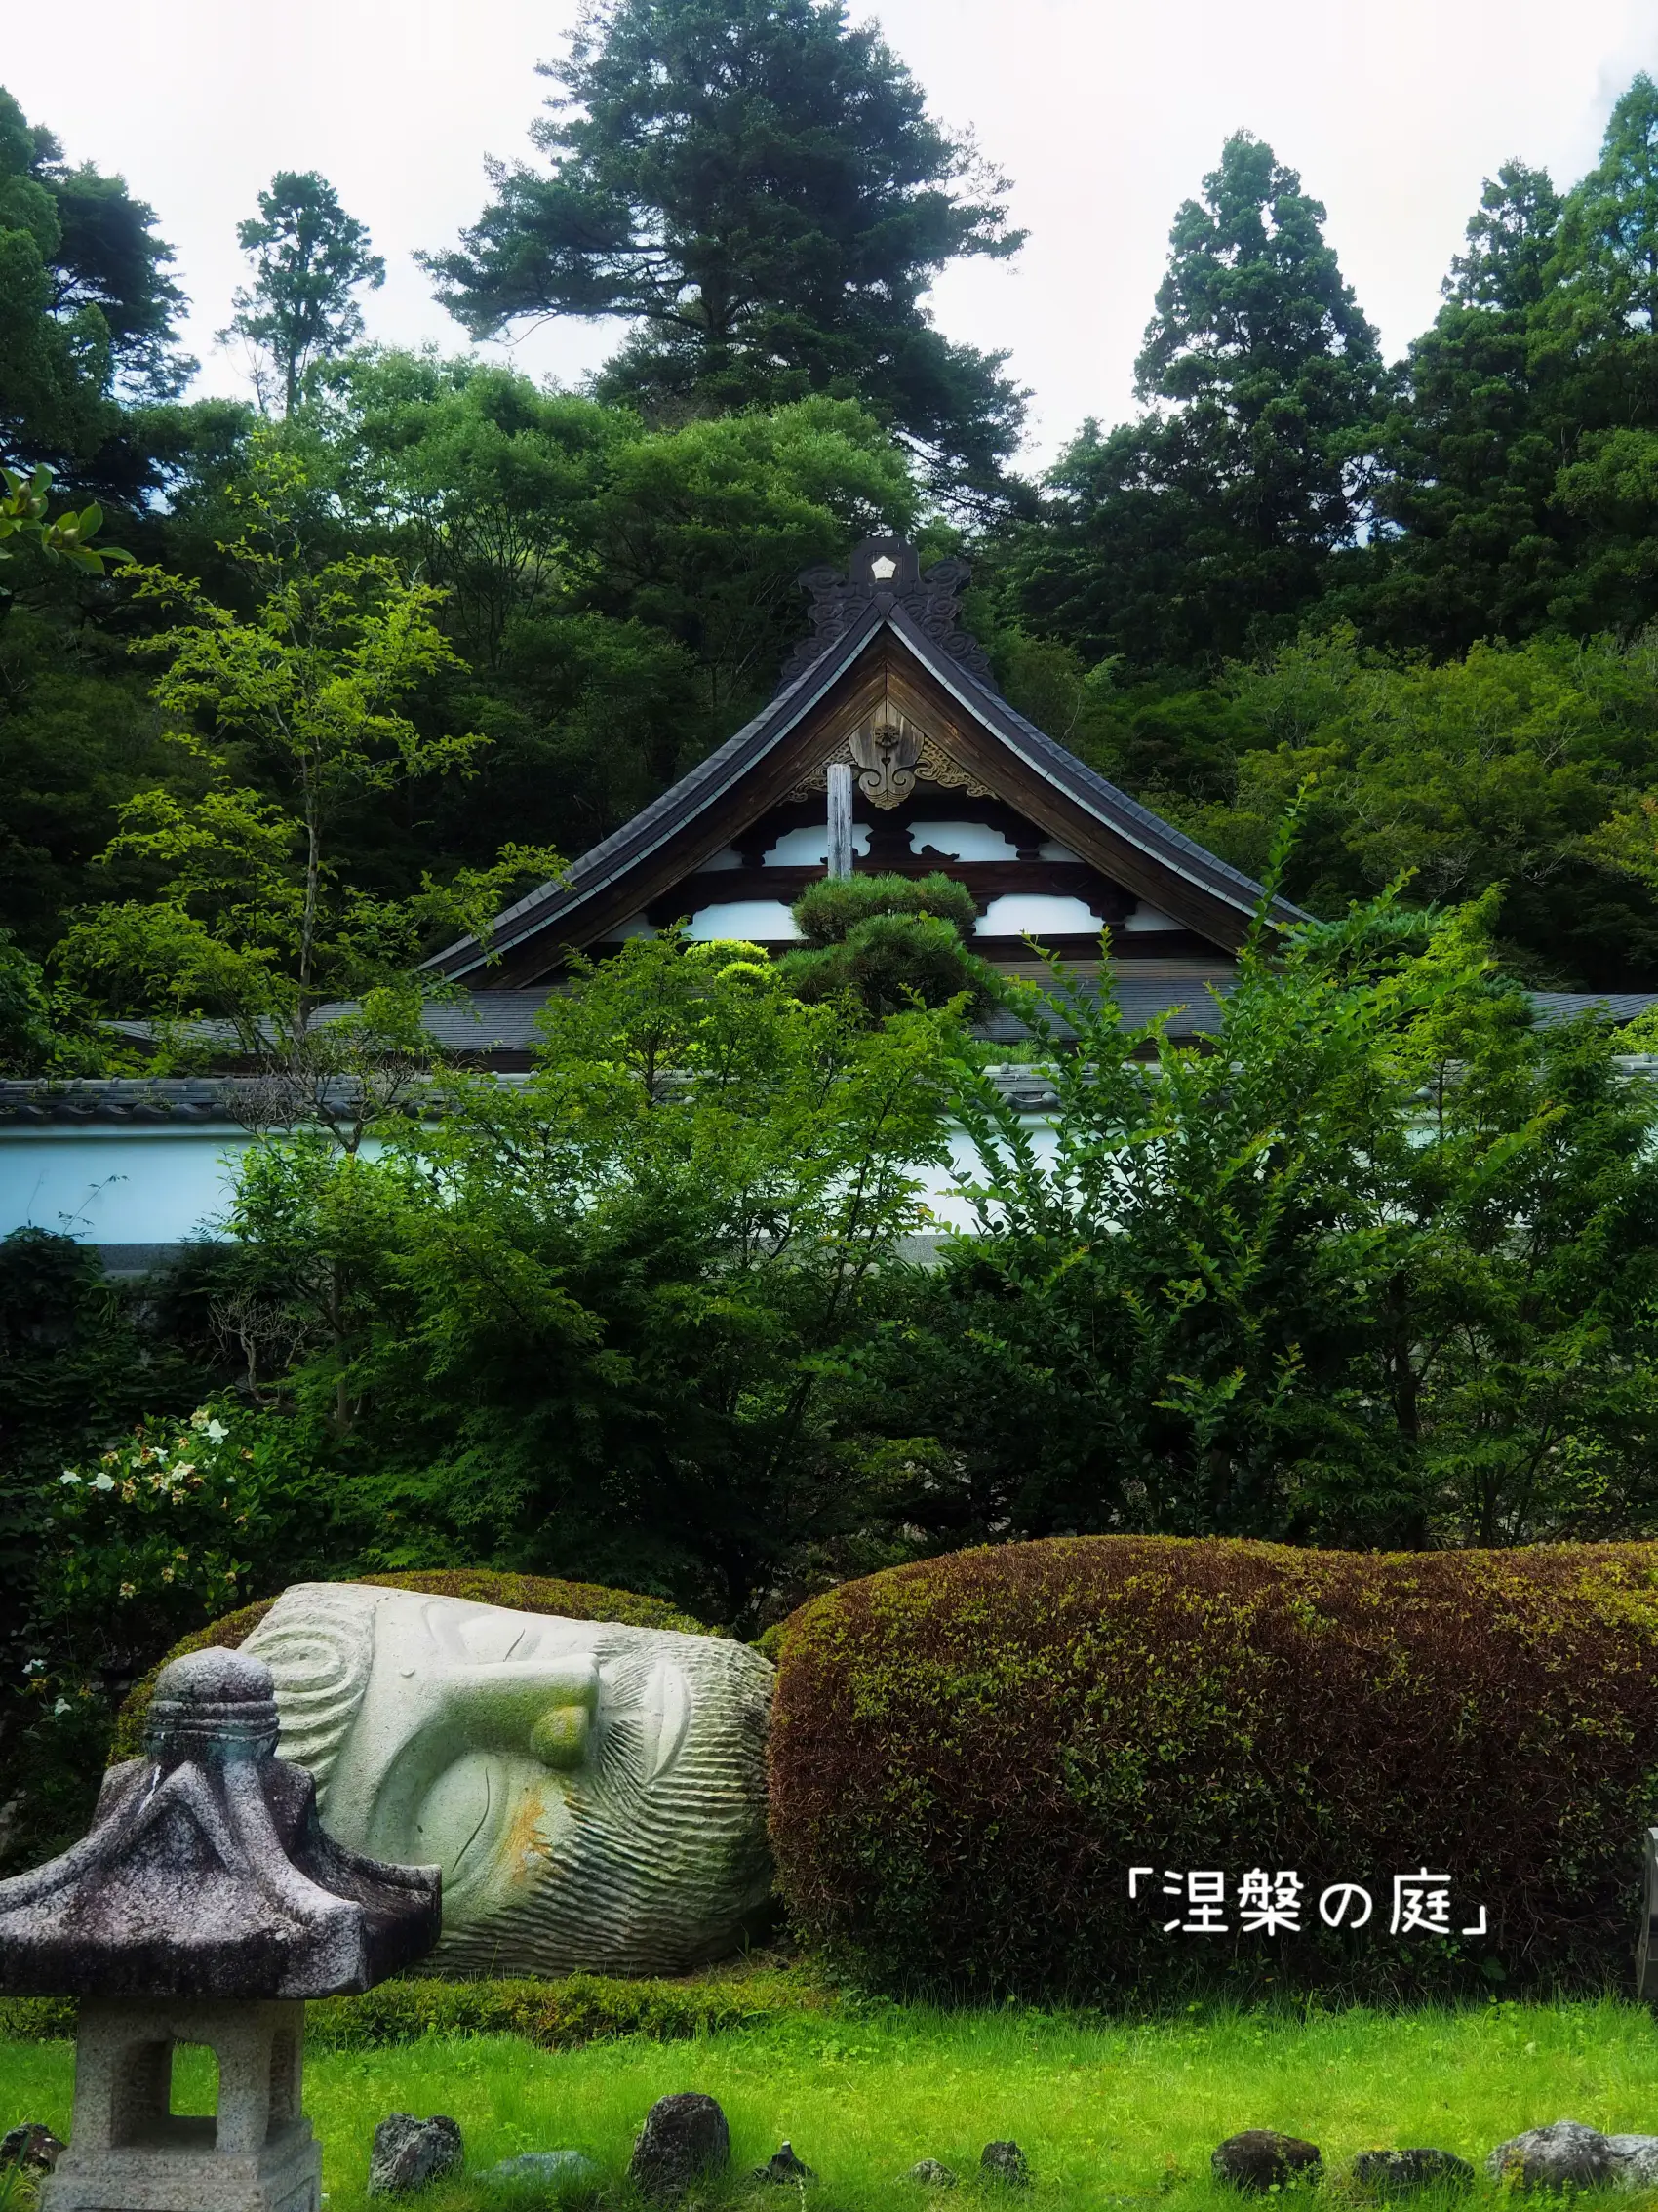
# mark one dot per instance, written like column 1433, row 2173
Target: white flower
column 102, row 1482
column 62, row 1706
column 216, row 1432
column 35, row 1666
column 69, row 1476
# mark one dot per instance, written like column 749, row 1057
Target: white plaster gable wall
column 1020, row 914
column 635, row 926
column 1051, row 849
column 765, row 920
column 809, row 848
column 963, row 841
column 727, row 858
column 1149, row 918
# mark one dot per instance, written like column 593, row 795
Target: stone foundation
column 130, row 2153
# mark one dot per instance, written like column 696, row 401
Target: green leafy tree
column 885, row 943
column 1506, row 770
column 254, row 921
column 758, row 188
column 1378, row 1269
column 1594, row 337
column 88, row 310
column 311, row 260
column 624, row 596
column 608, row 1317
column 1471, row 544
column 1208, row 526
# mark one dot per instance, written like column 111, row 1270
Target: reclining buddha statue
column 594, row 1793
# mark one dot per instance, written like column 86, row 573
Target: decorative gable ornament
column 885, row 573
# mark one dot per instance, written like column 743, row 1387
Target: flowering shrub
column 144, row 1542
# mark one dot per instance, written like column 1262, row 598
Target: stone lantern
column 204, row 1906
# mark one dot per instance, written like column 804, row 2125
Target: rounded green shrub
column 829, row 911
column 522, row 1593
column 968, row 1754
column 888, row 963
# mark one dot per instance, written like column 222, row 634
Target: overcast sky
column 1104, row 113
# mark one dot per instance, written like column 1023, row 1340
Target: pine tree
column 1595, row 338
column 755, row 186
column 311, row 260
column 1470, row 543
column 1208, row 527
column 87, row 311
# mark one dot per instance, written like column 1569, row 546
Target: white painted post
column 840, row 817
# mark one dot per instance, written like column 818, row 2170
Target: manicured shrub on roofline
column 968, row 1753
column 522, row 1593
column 828, row 911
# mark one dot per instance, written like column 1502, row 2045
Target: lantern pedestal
column 205, row 1904
column 130, row 2153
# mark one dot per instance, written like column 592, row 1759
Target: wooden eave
column 884, row 653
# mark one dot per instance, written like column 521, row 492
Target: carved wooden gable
column 946, row 776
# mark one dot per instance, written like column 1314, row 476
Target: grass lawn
column 1107, row 2116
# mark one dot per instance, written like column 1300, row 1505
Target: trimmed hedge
column 522, row 1593
column 968, row 1753
column 582, row 2008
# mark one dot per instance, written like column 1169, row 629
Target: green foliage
column 68, row 537
column 559, row 2015
column 604, row 1321
column 892, row 962
column 1207, row 527
column 829, row 911
column 758, row 188
column 251, row 920
column 155, row 1532
column 1505, row 769
column 1468, row 457
column 311, row 260
column 886, row 943
column 87, row 310
column 83, row 1362
column 967, row 1755
column 1376, row 1269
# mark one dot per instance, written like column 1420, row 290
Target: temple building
column 944, row 777
column 888, row 724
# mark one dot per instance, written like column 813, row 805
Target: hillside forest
column 1424, row 587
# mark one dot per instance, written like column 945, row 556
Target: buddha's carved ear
column 317, row 1640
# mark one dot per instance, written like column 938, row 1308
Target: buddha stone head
column 595, row 1795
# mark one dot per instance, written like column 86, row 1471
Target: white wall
column 118, row 1186
column 164, row 1185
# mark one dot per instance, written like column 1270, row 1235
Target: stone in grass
column 1400, row 2173
column 1261, row 2158
column 684, row 2138
column 410, row 2152
column 1005, row 2162
column 783, row 2166
column 1635, row 2160
column 34, row 2147
column 1565, row 2154
column 931, row 2173
column 541, row 2169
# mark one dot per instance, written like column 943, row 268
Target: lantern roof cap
column 207, row 1872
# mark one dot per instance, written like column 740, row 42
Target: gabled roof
column 885, row 607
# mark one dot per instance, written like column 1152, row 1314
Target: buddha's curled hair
column 317, row 1640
